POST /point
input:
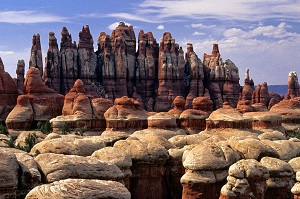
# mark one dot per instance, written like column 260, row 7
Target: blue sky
column 262, row 35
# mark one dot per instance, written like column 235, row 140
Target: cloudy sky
column 261, row 35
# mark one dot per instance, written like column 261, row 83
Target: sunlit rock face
column 221, row 79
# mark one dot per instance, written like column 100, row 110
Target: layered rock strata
column 39, row 103
column 8, row 93
column 194, row 119
column 36, row 58
column 148, row 168
column 228, row 117
column 221, row 79
column 126, row 113
column 20, row 71
column 171, row 66
column 81, row 110
column 293, row 86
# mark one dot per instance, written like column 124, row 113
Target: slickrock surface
column 69, row 145
column 21, row 117
column 118, row 157
column 286, row 149
column 57, row 167
column 250, row 148
column 80, row 189
column 289, row 109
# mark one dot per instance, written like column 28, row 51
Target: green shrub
column 11, row 141
column 30, row 141
column 82, row 130
column 44, row 127
column 65, row 129
column 3, row 129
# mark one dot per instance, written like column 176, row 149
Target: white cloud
column 277, row 32
column 200, row 25
column 114, row 25
column 29, row 16
column 129, row 16
column 246, row 10
column 160, row 27
column 6, row 52
column 198, row 33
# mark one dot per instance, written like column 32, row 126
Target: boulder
column 296, row 188
column 148, row 169
column 70, row 145
column 113, row 155
column 57, row 167
column 81, row 189
column 246, row 179
column 21, row 117
column 281, row 178
column 206, row 166
column 8, row 174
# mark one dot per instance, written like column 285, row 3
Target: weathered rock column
column 36, row 58
column 246, row 179
column 194, row 77
column 280, row 181
column 194, row 120
column 20, row 75
column 69, row 61
column 52, row 72
column 146, row 72
column 126, row 114
column 148, row 169
column 171, row 65
column 206, row 170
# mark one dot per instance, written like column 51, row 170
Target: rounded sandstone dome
column 228, row 113
column 209, row 156
column 179, row 101
column 162, row 120
column 79, row 86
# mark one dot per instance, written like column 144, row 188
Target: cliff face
column 154, row 74
column 221, row 79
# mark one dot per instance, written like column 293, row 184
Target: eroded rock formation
column 221, row 79
column 39, row 103
column 8, row 93
column 36, row 58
